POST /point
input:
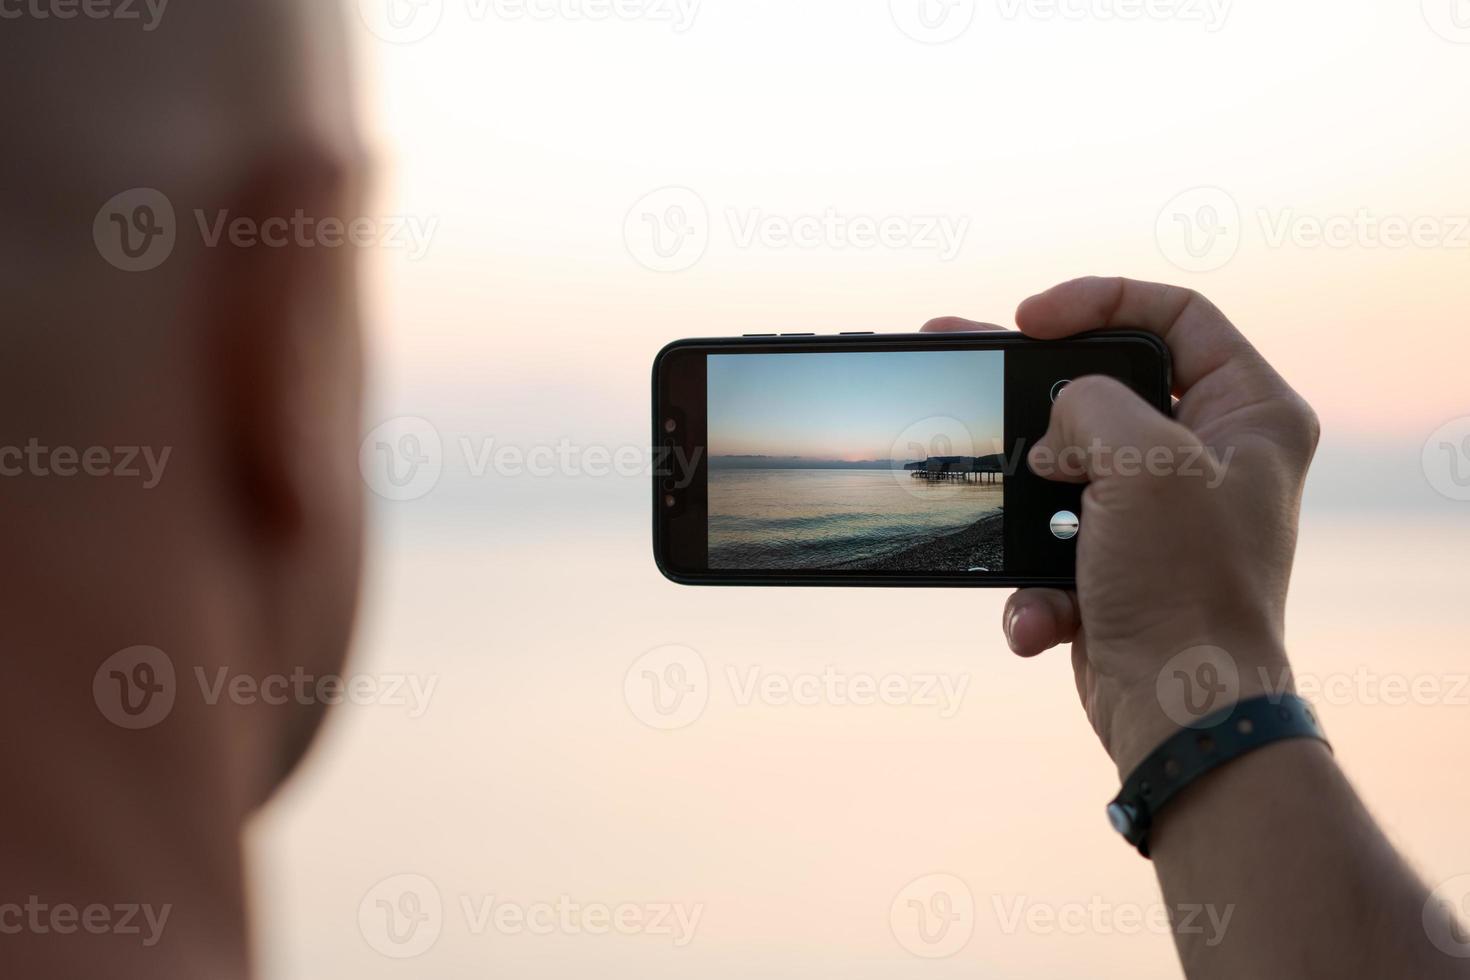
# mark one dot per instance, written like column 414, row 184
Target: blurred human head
column 178, row 428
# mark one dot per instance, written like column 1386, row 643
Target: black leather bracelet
column 1187, row 755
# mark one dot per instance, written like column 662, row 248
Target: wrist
column 1187, row 688
column 1192, row 754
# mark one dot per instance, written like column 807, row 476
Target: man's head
column 179, row 405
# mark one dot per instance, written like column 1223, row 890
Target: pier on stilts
column 965, row 469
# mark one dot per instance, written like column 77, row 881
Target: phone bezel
column 680, row 533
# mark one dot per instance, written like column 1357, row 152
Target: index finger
column 957, row 324
column 1199, row 336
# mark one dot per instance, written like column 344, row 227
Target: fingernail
column 1013, row 617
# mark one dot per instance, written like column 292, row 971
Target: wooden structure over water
column 980, row 469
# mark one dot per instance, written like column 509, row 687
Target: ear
column 283, row 345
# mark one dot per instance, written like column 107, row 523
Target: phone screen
column 889, row 461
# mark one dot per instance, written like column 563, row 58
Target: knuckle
column 1087, row 395
column 1089, row 387
column 1310, row 424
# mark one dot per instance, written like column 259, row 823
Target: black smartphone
column 877, row 460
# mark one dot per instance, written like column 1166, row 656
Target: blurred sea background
column 533, row 319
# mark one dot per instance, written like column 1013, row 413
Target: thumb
column 1101, row 428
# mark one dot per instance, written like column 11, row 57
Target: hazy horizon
column 753, row 461
column 856, row 407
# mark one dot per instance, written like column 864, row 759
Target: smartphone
column 873, row 460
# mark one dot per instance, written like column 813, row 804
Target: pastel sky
column 1067, row 137
column 855, row 406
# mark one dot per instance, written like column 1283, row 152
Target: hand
column 1170, row 557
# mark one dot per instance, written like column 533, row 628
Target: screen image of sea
column 864, row 461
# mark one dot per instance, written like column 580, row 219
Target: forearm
column 1279, row 842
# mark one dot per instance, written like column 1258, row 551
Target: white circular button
column 1064, row 525
column 1056, row 389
